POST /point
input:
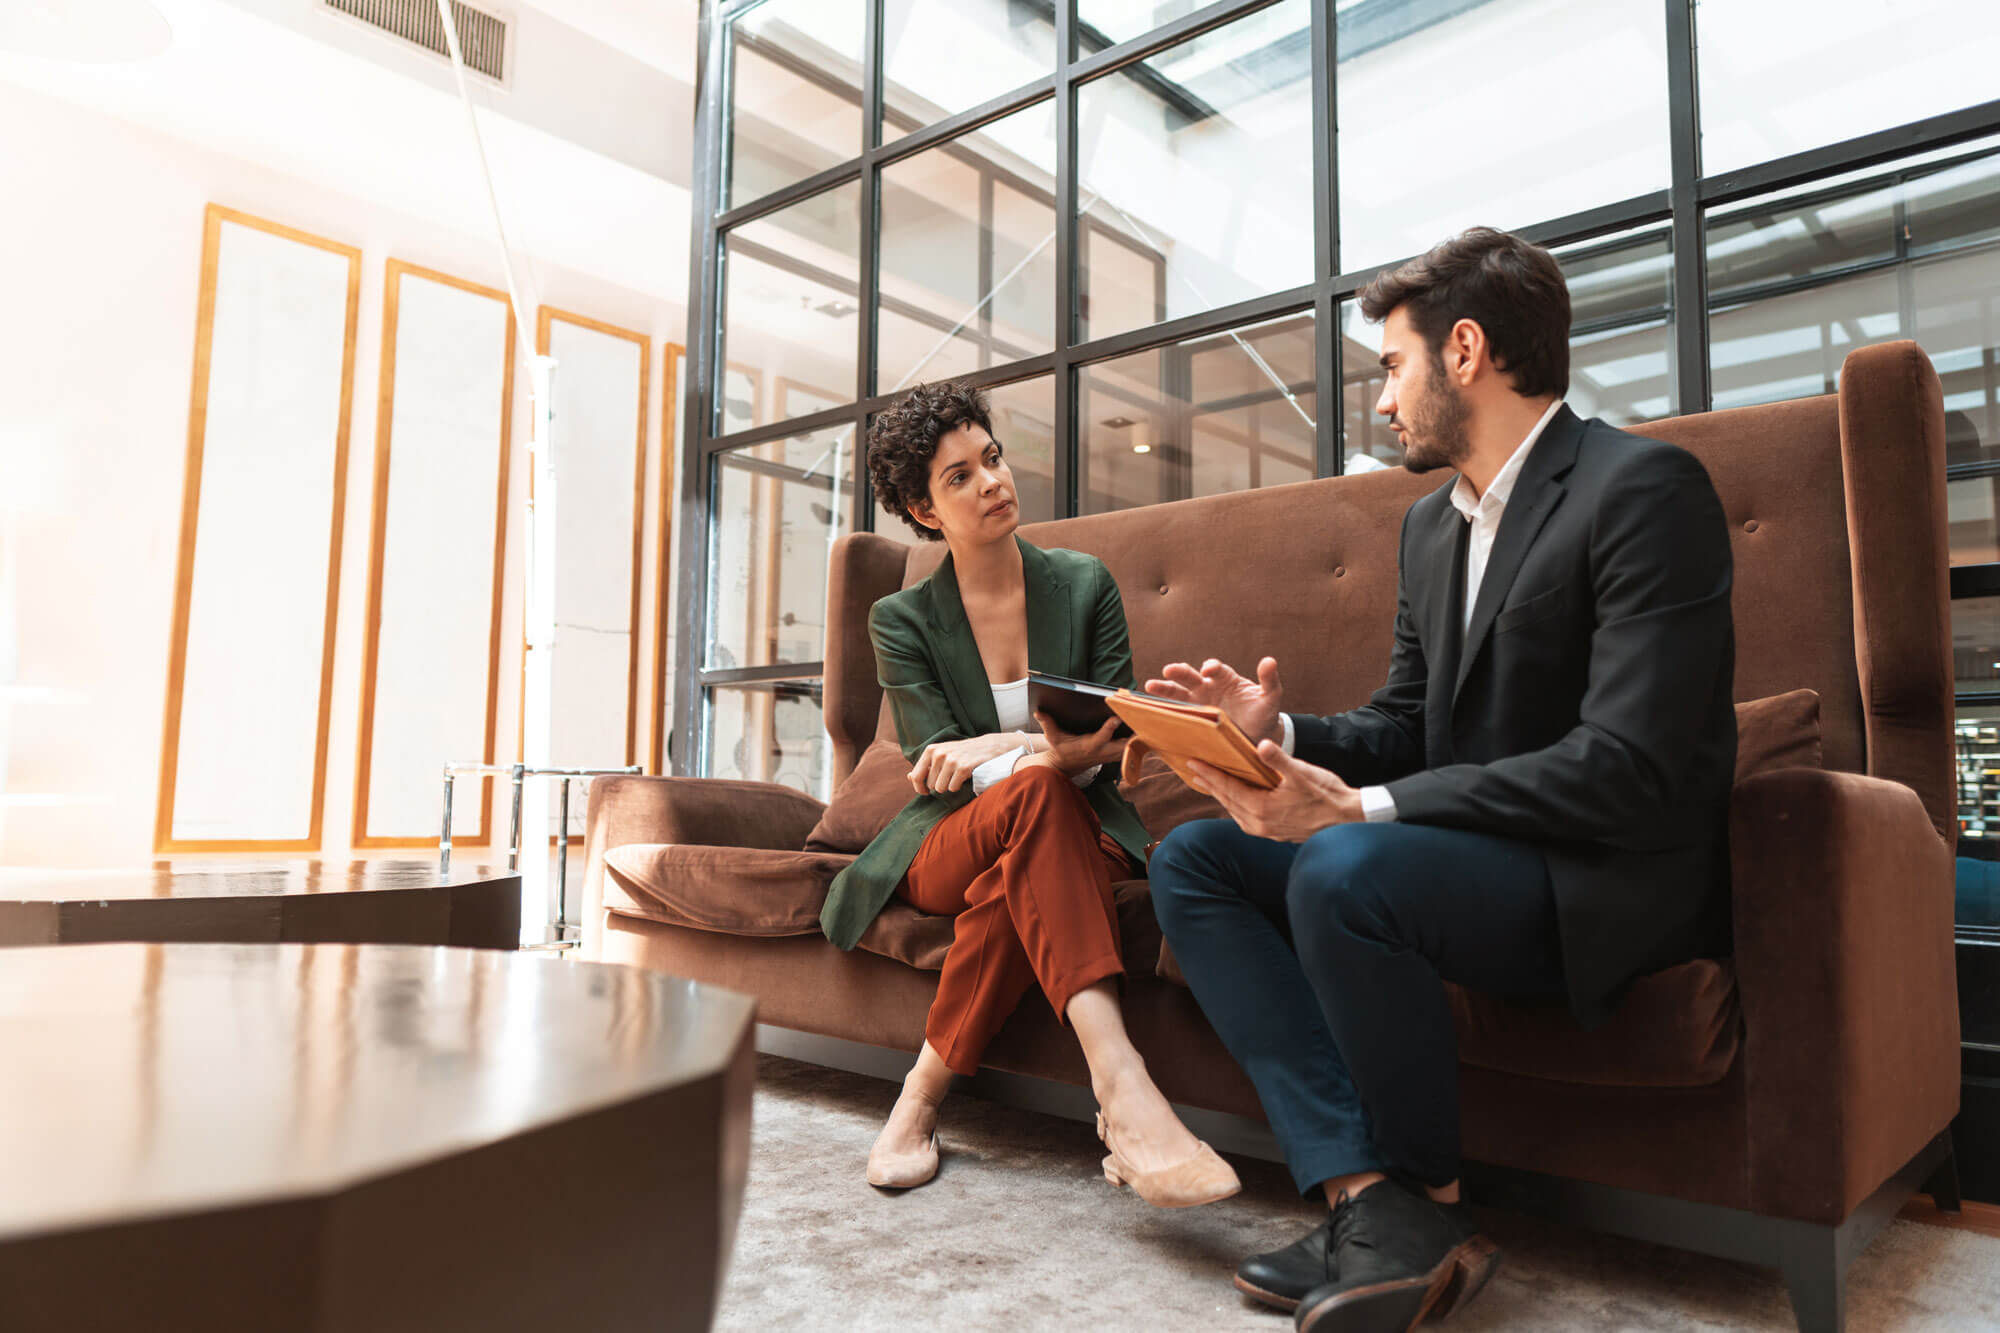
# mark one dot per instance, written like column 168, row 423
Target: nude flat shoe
column 903, row 1171
column 1200, row 1178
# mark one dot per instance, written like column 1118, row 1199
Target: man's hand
column 947, row 765
column 1252, row 705
column 1306, row 799
column 1072, row 754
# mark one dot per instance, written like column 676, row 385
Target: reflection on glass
column 770, row 733
column 1229, row 412
column 1023, row 416
column 776, row 509
column 1621, row 334
column 940, row 59
column 968, row 252
column 1798, row 282
column 1785, row 76
column 1621, row 326
column 1410, row 85
column 1975, row 642
column 794, row 99
column 789, row 318
column 1103, row 23
column 1195, row 174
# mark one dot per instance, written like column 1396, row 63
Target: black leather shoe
column 1280, row 1277
column 1400, row 1259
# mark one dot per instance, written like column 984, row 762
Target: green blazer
column 928, row 664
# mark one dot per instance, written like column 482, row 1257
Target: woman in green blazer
column 1016, row 831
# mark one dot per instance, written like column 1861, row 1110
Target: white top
column 1483, row 513
column 1010, row 704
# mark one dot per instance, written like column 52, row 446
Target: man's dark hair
column 1512, row 289
column 904, row 439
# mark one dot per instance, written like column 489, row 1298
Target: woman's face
column 972, row 490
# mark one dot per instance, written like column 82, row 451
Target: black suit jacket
column 1587, row 707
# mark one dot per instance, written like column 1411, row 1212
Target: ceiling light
column 1142, row 448
column 91, row 32
column 836, row 309
column 1116, row 423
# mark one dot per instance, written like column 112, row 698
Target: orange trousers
column 1027, row 872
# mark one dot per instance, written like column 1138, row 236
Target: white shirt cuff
column 1289, row 737
column 1088, row 776
column 1377, row 806
column 998, row 767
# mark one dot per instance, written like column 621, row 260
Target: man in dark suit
column 1533, row 805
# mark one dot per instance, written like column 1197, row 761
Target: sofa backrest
column 1837, row 519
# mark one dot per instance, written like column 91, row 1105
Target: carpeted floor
column 1019, row 1231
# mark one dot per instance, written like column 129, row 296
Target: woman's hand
column 947, row 765
column 1252, row 705
column 1072, row 754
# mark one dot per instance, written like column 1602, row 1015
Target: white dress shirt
column 1483, row 512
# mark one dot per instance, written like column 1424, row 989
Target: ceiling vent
column 482, row 37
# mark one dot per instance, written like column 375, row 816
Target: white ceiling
column 589, row 143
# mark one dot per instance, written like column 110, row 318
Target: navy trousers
column 1322, row 967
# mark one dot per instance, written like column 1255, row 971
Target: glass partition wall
column 1142, row 224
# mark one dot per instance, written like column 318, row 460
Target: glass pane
column 776, row 508
column 1975, row 635
column 1799, row 283
column 1621, row 329
column 964, row 225
column 1621, row 335
column 1784, row 76
column 1229, row 412
column 1973, row 508
column 794, row 94
column 1195, row 174
column 925, row 46
column 770, row 733
column 1791, row 346
column 1421, row 77
column 1103, row 23
column 789, row 317
column 1023, row 416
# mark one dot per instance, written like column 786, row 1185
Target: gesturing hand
column 1252, row 705
column 947, row 765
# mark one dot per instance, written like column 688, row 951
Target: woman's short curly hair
column 904, row 439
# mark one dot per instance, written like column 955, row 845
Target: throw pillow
column 862, row 806
column 1781, row 731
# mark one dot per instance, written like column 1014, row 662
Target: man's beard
column 1435, row 436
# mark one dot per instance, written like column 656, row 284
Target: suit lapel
column 1537, row 492
column 960, row 671
column 1050, row 630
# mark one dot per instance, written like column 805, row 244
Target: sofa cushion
column 1679, row 1028
column 1163, row 801
column 731, row 890
column 1779, row 731
column 865, row 801
column 903, row 933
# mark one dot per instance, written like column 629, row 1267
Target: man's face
column 1425, row 409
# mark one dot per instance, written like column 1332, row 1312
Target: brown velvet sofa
column 1776, row 1107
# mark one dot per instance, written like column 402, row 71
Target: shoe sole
column 1270, row 1298
column 1398, row 1307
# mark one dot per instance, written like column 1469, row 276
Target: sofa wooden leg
column 1942, row 1183
column 1817, row 1280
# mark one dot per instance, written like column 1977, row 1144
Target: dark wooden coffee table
column 364, row 1137
column 294, row 902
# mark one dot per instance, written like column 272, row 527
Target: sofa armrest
column 714, row 812
column 1843, row 916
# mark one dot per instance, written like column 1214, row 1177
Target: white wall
column 101, row 246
